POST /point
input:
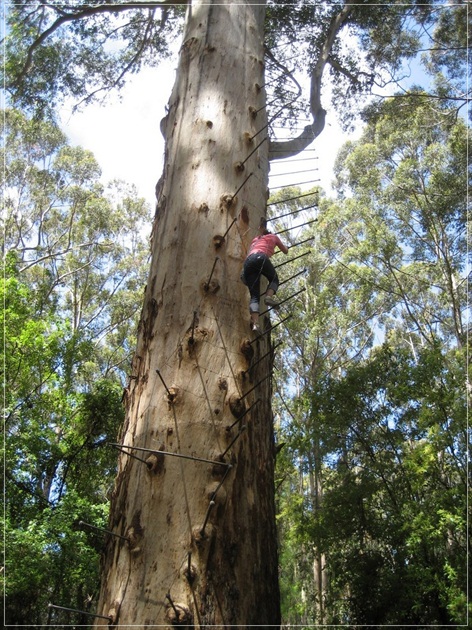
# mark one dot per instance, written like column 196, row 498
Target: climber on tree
column 256, row 264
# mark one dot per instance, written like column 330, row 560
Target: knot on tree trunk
column 155, row 462
column 237, row 406
column 179, row 615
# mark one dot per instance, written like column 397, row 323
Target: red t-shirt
column 265, row 244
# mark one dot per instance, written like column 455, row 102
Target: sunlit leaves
column 377, row 432
column 74, row 272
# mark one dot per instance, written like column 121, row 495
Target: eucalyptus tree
column 393, row 517
column 69, row 294
column 415, row 247
column 446, row 57
column 389, row 266
column 193, row 542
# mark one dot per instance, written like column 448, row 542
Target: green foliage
column 73, row 273
column 82, row 51
column 448, row 60
column 78, row 242
column 378, row 42
column 401, row 485
column 391, row 517
column 49, row 558
column 85, row 51
column 372, row 404
column 415, row 181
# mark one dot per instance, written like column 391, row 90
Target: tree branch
column 287, row 148
column 342, row 70
column 82, row 14
column 126, row 69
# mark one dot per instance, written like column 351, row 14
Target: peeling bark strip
column 195, row 348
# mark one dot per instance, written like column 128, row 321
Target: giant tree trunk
column 201, row 537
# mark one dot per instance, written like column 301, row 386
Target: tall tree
column 385, row 425
column 69, row 294
column 199, row 541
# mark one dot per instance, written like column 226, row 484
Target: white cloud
column 124, row 134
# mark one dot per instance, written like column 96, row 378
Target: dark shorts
column 255, row 266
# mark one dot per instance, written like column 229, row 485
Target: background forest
column 371, row 402
column 370, row 375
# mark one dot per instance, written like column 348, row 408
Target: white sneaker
column 271, row 301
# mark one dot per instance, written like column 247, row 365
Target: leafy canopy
column 371, row 404
column 73, row 272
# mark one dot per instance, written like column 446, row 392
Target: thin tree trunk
column 201, row 543
column 319, row 561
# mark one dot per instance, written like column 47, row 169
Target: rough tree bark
column 200, row 537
